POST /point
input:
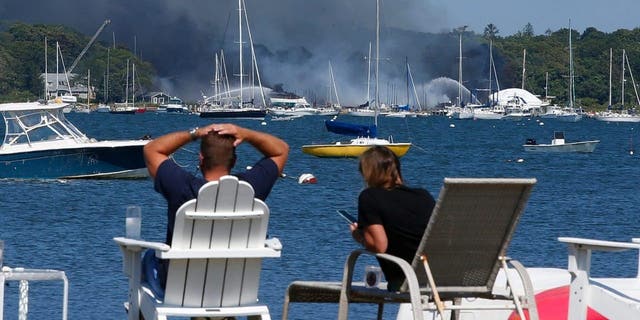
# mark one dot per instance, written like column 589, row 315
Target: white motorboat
column 174, row 105
column 488, row 113
column 558, row 144
column 40, row 143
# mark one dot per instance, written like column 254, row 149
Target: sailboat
column 365, row 136
column 125, row 108
column 104, row 106
column 461, row 111
column 242, row 109
column 365, row 109
column 491, row 110
column 569, row 113
column 403, row 111
column 623, row 115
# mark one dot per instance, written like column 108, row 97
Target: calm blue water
column 69, row 225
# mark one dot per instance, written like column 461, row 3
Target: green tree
column 490, row 31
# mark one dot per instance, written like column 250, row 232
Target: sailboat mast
column 460, row 68
column 133, row 86
column 240, row 47
column 490, row 67
column 571, row 89
column 106, row 86
column 546, row 85
column 524, row 63
column 369, row 74
column 126, row 87
column 377, row 106
column 610, row 72
column 58, row 71
column 333, row 81
column 406, row 60
column 216, row 78
column 622, row 95
column 254, row 61
column 46, row 72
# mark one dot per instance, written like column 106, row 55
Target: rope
column 23, row 304
column 408, row 129
column 417, row 146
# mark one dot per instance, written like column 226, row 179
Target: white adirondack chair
column 215, row 257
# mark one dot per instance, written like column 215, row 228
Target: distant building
column 157, row 98
column 56, row 85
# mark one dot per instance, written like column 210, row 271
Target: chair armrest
column 599, row 245
column 218, row 253
column 139, row 245
column 347, row 278
column 273, row 243
column 580, row 252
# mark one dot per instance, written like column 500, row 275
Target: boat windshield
column 28, row 126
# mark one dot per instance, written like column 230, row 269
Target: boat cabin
column 558, row 137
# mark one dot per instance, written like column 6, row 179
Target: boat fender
column 307, row 178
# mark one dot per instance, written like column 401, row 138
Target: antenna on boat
column 46, row 73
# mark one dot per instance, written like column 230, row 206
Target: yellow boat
column 353, row 149
column 366, row 134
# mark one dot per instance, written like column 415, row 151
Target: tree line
column 22, row 61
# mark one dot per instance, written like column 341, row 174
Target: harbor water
column 69, row 224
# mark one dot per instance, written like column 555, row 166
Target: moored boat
column 354, row 148
column 237, row 113
column 558, row 144
column 175, row 105
column 40, row 143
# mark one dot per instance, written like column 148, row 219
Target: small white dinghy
column 558, row 144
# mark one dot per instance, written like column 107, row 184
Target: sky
column 301, row 36
column 510, row 16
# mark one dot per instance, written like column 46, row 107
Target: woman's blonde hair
column 380, row 167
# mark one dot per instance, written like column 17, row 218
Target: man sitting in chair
column 216, row 158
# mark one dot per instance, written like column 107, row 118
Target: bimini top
column 30, row 123
column 351, row 129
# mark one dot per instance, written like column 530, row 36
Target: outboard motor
column 531, row 141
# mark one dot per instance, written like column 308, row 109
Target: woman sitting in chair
column 391, row 216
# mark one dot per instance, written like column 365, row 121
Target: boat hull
column 99, row 162
column 347, row 150
column 583, row 146
column 620, row 118
column 252, row 114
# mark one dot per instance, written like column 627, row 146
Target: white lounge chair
column 215, row 257
column 461, row 252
